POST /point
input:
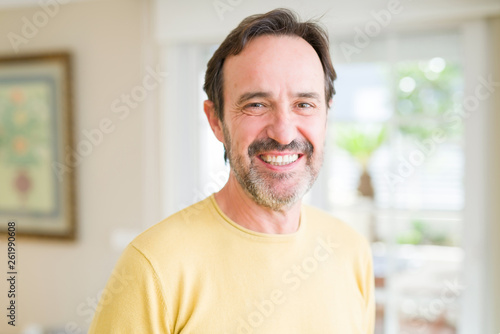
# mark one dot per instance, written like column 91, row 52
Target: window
column 395, row 172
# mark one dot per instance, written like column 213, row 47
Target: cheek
column 248, row 129
column 243, row 133
column 314, row 130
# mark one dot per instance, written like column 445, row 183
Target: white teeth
column 280, row 160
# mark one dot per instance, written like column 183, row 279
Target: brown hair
column 277, row 22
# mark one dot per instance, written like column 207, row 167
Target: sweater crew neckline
column 271, row 237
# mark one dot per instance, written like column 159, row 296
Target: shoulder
column 178, row 231
column 327, row 224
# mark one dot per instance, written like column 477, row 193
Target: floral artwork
column 33, row 112
column 25, row 151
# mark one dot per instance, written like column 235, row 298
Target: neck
column 239, row 206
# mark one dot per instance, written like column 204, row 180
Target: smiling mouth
column 279, row 160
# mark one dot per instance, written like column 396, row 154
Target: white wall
column 107, row 41
column 180, row 21
column 480, row 303
column 494, row 189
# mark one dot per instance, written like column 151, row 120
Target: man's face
column 275, row 119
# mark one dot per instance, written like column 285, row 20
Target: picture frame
column 37, row 181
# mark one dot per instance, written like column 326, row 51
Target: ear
column 213, row 120
column 330, row 104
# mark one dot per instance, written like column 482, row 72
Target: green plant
column 360, row 140
column 421, row 233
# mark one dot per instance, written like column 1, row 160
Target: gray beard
column 259, row 187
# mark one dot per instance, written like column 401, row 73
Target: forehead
column 275, row 64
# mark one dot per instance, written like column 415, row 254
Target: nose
column 282, row 127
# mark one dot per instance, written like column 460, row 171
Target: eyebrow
column 251, row 95
column 310, row 95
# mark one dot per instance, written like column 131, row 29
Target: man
column 251, row 258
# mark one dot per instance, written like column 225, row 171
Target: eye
column 305, row 108
column 255, row 109
column 304, row 105
column 254, row 105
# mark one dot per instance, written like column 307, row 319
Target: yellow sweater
column 199, row 272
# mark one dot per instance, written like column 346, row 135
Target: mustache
column 269, row 144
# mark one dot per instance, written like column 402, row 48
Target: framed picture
column 37, row 188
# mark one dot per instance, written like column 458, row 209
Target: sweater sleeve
column 133, row 299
